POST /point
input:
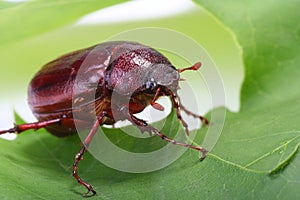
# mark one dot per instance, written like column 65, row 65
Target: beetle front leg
column 144, row 126
column 79, row 155
column 162, row 136
column 203, row 119
column 178, row 106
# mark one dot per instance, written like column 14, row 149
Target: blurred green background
column 24, row 52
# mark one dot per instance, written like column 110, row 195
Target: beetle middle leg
column 79, row 155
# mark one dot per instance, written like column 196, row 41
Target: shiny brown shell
column 78, row 81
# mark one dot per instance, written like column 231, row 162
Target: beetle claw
column 204, row 153
column 87, row 194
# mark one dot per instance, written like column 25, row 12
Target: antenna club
column 195, row 67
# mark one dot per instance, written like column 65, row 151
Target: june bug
column 83, row 82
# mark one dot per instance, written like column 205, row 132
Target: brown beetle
column 82, row 83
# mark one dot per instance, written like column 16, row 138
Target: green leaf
column 265, row 135
column 256, row 156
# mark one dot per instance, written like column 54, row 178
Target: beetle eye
column 150, row 86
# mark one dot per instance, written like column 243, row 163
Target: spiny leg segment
column 79, row 155
column 143, row 126
column 35, row 126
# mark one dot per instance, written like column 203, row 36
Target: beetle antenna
column 195, row 67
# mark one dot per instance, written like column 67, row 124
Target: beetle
column 136, row 73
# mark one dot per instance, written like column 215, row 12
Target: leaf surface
column 256, row 156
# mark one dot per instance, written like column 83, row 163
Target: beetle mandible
column 53, row 102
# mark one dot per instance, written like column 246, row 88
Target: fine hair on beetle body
column 100, row 85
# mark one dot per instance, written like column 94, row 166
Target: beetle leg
column 162, row 136
column 79, row 155
column 203, row 119
column 36, row 125
column 144, row 126
column 178, row 106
